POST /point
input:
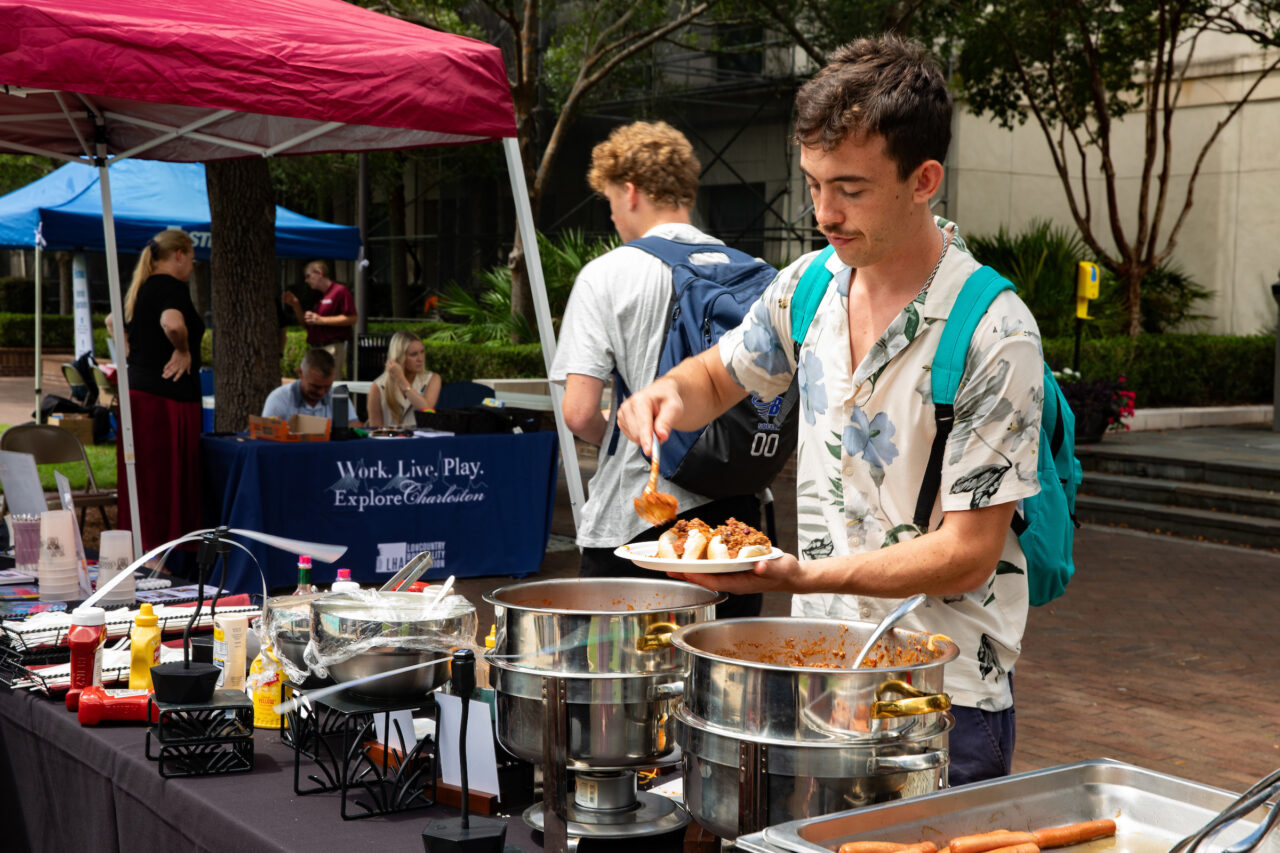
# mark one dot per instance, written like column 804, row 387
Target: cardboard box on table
column 297, row 428
column 80, row 425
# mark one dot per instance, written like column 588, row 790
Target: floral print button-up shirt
column 865, row 436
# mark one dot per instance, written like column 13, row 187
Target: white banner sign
column 80, row 306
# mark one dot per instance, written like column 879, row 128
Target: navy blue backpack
column 741, row 451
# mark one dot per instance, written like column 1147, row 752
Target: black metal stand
column 337, row 735
column 188, row 683
column 205, row 738
column 464, row 834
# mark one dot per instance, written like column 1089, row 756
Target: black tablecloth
column 67, row 788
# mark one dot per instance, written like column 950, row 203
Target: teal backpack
column 1046, row 524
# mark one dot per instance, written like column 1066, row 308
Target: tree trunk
column 1132, row 277
column 246, row 366
column 199, row 286
column 399, row 272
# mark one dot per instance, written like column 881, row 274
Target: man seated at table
column 312, row 394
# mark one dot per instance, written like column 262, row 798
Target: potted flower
column 1099, row 404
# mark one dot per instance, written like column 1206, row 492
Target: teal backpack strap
column 976, row 295
column 808, row 295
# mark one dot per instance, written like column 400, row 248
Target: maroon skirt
column 166, row 449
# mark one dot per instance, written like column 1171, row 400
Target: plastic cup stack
column 57, row 571
column 26, row 542
column 115, row 553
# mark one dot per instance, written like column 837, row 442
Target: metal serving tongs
column 1247, row 802
column 411, row 572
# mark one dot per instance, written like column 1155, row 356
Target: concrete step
column 1182, row 467
column 1202, row 496
column 1225, row 527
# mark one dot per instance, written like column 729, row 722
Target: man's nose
column 825, row 211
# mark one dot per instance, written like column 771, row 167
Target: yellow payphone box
column 1087, row 275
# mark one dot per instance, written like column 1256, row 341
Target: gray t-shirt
column 616, row 317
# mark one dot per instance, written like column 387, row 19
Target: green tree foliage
column 1073, row 68
column 488, row 318
column 1042, row 259
column 18, row 170
column 558, row 57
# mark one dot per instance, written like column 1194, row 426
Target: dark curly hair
column 887, row 86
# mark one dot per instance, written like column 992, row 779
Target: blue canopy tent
column 147, row 196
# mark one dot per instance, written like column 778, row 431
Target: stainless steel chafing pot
column 609, row 641
column 775, row 725
column 791, row 679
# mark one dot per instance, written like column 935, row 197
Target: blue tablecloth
column 481, row 504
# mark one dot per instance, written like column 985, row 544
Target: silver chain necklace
column 946, row 244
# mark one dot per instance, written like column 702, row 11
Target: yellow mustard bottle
column 265, row 686
column 144, row 641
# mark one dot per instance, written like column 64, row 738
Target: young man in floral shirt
column 873, row 129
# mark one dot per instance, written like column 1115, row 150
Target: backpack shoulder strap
column 808, row 295
column 976, row 295
column 673, row 253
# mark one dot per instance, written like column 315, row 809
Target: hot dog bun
column 695, row 546
column 754, row 551
column 716, row 549
column 667, row 545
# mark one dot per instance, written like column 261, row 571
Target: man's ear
column 927, row 182
column 633, row 195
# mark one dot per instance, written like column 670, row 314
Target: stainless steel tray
column 1152, row 812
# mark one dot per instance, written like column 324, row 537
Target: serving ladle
column 885, row 624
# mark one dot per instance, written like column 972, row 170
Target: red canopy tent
column 192, row 80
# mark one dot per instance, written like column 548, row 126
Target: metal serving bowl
column 387, row 631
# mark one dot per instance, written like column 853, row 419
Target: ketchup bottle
column 97, row 704
column 87, row 635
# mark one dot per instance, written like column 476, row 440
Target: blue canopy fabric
column 147, row 196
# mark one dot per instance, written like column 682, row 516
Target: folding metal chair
column 51, row 445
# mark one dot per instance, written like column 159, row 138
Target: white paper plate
column 644, row 554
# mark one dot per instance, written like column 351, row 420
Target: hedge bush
column 453, row 361
column 1163, row 370
column 17, row 294
column 19, row 330
column 1178, row 370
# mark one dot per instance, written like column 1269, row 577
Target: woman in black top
column 164, row 333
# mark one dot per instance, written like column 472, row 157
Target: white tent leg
column 542, row 310
column 122, row 368
column 39, row 322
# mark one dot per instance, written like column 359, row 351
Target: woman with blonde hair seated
column 405, row 386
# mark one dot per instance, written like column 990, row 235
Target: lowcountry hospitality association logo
column 407, row 482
